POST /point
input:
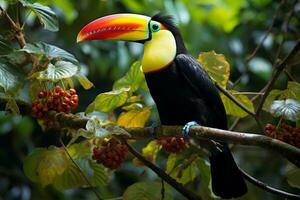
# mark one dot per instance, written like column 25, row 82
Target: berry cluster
column 60, row 101
column 285, row 133
column 172, row 144
column 111, row 153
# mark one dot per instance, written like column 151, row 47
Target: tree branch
column 232, row 98
column 179, row 187
column 276, row 74
column 286, row 150
column 270, row 189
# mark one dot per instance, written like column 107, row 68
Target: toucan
column 182, row 90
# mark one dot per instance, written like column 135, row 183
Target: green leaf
column 292, row 92
column 233, row 109
column 171, row 163
column 5, row 49
column 216, row 66
column 106, row 102
column 53, row 164
column 134, row 118
column 50, row 51
column 31, row 163
column 293, row 178
column 79, row 150
column 206, row 190
column 10, row 77
column 13, row 106
column 71, row 178
column 186, row 175
column 44, row 165
column 146, row 191
column 84, row 81
column 61, row 70
column 274, row 94
column 100, row 176
column 45, row 15
column 289, row 109
column 134, row 78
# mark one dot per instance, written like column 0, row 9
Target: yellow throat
column 159, row 51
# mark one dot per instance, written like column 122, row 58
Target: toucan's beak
column 127, row 27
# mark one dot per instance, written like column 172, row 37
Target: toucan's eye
column 155, row 27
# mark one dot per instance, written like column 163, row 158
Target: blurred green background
column 231, row 27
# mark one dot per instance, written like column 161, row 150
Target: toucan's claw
column 186, row 128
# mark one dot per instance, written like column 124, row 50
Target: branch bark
column 179, row 187
column 288, row 151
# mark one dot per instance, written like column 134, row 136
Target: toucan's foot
column 152, row 131
column 186, row 128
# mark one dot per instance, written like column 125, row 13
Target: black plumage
column 184, row 92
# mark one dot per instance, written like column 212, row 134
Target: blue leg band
column 186, row 128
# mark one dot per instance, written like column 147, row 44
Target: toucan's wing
column 200, row 82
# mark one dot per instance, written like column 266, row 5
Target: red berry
column 172, row 144
column 111, row 153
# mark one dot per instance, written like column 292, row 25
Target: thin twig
column 268, row 188
column 248, row 93
column 276, row 74
column 162, row 191
column 287, row 73
column 80, row 171
column 232, row 98
column 179, row 187
column 267, row 32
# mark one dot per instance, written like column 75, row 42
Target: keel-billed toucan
column 181, row 88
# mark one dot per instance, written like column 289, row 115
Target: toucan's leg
column 152, row 131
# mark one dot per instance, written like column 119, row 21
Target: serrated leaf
column 5, row 49
column 100, row 176
column 134, row 78
column 10, row 77
column 134, row 118
column 79, row 150
column 289, row 109
column 233, row 109
column 44, row 165
column 186, row 175
column 53, row 164
column 71, row 178
column 61, row 70
column 146, row 191
column 84, row 81
column 293, row 178
column 106, row 102
column 216, row 66
column 45, row 15
column 50, row 51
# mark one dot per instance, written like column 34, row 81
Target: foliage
column 45, row 60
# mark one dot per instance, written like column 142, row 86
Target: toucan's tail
column 227, row 180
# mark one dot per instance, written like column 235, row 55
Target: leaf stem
column 80, row 171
